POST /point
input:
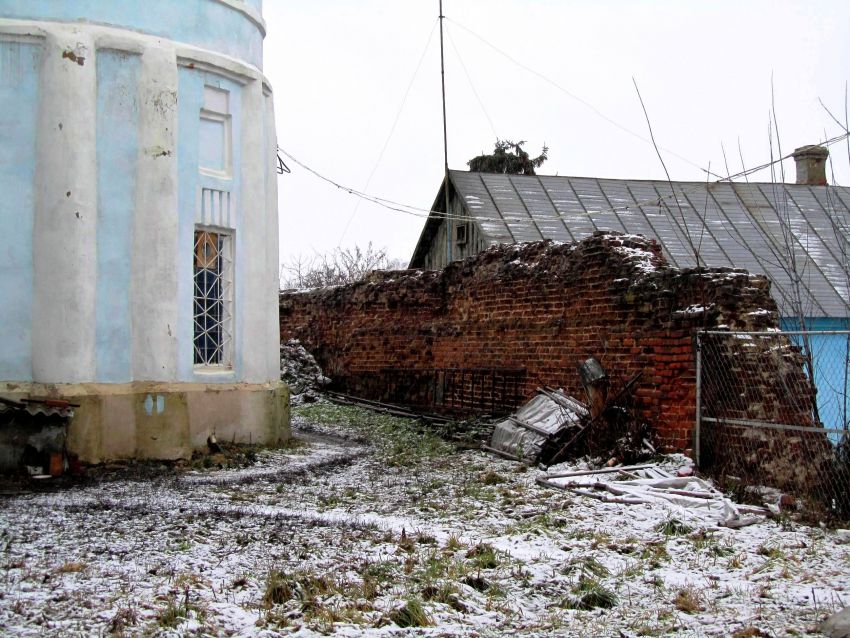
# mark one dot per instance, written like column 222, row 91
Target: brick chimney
column 811, row 165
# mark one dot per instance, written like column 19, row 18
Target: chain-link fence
column 773, row 411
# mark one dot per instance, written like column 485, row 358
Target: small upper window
column 215, row 152
column 460, row 234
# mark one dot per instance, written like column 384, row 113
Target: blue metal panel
column 832, row 366
column 117, row 150
column 191, row 92
column 19, row 73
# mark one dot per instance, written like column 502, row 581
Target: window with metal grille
column 213, row 303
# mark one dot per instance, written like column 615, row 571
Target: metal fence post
column 697, row 422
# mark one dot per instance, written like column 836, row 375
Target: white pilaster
column 253, row 260
column 153, row 291
column 65, row 215
column 272, row 246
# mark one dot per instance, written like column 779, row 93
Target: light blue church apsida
column 138, row 222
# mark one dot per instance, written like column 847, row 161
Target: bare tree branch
column 694, row 249
column 340, row 266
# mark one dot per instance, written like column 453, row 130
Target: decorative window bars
column 213, row 298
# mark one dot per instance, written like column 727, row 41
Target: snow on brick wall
column 541, row 307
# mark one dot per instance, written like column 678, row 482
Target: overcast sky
column 557, row 72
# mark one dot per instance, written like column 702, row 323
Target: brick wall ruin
column 531, row 313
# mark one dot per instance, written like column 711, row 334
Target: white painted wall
column 66, row 288
column 153, row 289
column 65, row 211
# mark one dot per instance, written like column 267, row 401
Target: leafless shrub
column 338, row 267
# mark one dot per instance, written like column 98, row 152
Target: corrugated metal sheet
column 762, row 228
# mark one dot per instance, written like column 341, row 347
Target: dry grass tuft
column 70, row 568
column 689, row 600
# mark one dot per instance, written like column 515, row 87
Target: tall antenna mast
column 445, row 146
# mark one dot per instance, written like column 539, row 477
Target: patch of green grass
column 445, row 593
column 439, row 566
column 771, row 551
column 537, row 524
column 654, row 554
column 425, row 539
column 183, row 545
column 176, row 611
column 587, row 566
column 579, row 534
column 707, row 543
column 473, row 491
column 633, row 568
column 411, row 614
column 453, row 543
column 484, row 556
column 171, row 615
column 673, row 527
column 382, row 571
column 588, row 594
column 652, row 623
column 401, row 442
column 321, row 617
column 374, row 578
column 329, row 500
column 305, row 586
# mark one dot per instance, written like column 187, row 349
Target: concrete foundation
column 150, row 420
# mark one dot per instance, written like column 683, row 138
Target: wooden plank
column 505, row 455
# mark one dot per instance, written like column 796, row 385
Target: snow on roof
column 730, row 224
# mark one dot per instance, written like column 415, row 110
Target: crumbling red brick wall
column 542, row 307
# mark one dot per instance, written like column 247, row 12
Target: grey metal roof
column 731, row 224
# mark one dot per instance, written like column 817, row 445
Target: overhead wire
column 773, row 162
column 416, row 211
column 392, row 129
column 424, row 212
column 576, row 97
column 386, row 203
column 472, row 84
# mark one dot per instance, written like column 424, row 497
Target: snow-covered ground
column 369, row 526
